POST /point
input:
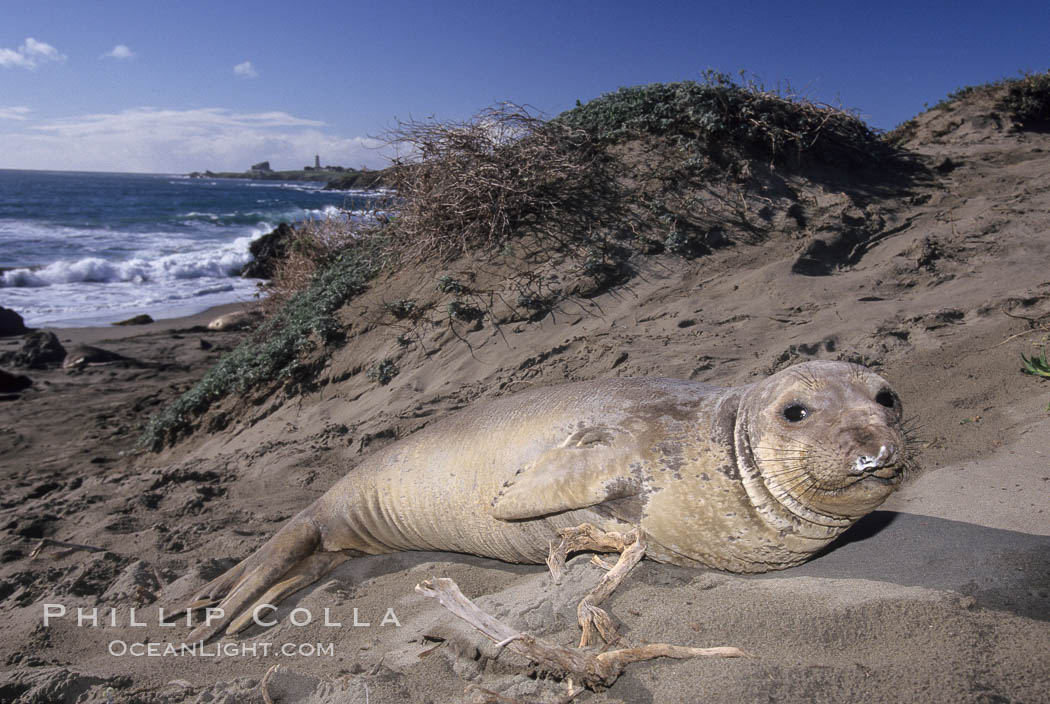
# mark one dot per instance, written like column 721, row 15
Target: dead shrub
column 474, row 185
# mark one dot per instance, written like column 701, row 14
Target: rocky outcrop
column 11, row 323
column 40, row 350
column 261, row 166
column 13, row 383
column 359, row 180
column 267, row 250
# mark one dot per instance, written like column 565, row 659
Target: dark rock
column 267, row 251
column 13, row 383
column 946, row 165
column 39, row 351
column 136, row 320
column 261, row 166
column 817, row 259
column 11, row 323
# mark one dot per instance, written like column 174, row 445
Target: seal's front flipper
column 590, row 467
column 284, row 564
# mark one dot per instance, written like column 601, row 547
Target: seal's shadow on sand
column 1001, row 569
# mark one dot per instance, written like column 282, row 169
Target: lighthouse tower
column 317, row 161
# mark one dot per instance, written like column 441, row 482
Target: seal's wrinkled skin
column 746, row 479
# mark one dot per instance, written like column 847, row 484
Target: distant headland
column 335, row 177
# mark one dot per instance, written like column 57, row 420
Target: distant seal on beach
column 86, row 355
column 745, row 479
column 234, row 321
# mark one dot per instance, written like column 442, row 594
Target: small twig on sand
column 1033, row 321
column 1037, row 326
column 266, row 683
column 592, row 671
column 60, row 544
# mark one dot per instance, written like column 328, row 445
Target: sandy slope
column 943, row 595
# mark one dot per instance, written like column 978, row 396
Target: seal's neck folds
column 779, row 509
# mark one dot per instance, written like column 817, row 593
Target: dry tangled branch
column 481, row 182
column 595, row 671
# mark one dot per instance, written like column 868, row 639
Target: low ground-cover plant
column 315, row 245
column 724, row 121
column 1037, row 365
column 383, row 372
column 1027, row 99
column 276, row 351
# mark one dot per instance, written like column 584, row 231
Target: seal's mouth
column 890, row 475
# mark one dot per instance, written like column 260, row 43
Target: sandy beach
column 942, row 595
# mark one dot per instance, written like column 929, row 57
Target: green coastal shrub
column 275, row 352
column 402, row 308
column 725, row 120
column 447, row 284
column 1036, row 365
column 1025, row 99
column 466, row 312
column 1028, row 99
column 383, row 372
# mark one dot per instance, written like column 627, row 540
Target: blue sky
column 115, row 85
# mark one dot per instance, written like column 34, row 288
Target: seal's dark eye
column 886, row 398
column 795, row 412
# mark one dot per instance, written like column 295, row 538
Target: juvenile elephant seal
column 237, row 320
column 746, row 479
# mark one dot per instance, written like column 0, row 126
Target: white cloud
column 157, row 140
column 120, row 51
column 13, row 59
column 18, row 112
column 42, row 49
column 30, row 55
column 246, row 70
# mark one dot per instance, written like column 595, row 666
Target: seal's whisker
column 808, row 381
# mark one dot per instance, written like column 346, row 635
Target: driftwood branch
column 44, row 542
column 631, row 546
column 585, row 537
column 264, row 686
column 595, row 671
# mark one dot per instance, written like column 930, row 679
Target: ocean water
column 82, row 249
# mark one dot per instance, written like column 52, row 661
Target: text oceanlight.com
column 264, row 649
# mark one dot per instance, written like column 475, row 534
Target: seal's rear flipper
column 284, row 564
column 587, row 469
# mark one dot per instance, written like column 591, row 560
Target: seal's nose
column 887, row 456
